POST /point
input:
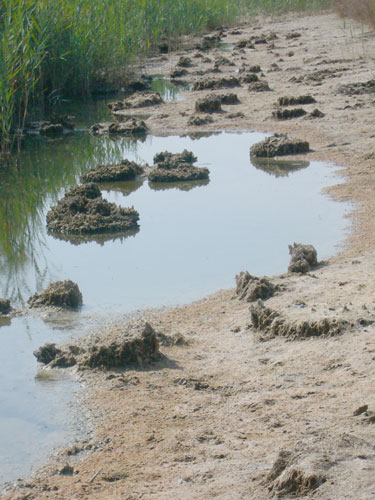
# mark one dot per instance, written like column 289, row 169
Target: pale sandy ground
column 210, row 420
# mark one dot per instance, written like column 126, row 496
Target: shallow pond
column 193, row 239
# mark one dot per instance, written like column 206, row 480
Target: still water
column 193, row 239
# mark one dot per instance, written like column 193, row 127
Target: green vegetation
column 51, row 48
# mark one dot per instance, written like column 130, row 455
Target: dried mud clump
column 261, row 86
column 245, row 68
column 293, row 101
column 279, row 145
column 208, row 104
column 140, row 100
column 222, row 61
column 229, row 99
column 124, row 171
column 58, row 294
column 130, row 126
column 208, row 42
column 292, row 35
column 245, row 44
column 134, row 345
column 171, row 160
column 185, row 62
column 288, row 114
column 359, row 88
column 198, row 120
column 251, row 288
column 271, row 324
column 171, row 167
column 5, row 306
column 220, row 83
column 84, row 211
column 178, row 73
column 249, row 77
column 317, row 114
column 303, row 257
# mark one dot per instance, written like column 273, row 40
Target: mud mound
column 279, row 145
column 292, row 35
column 208, row 104
column 214, row 84
column 245, row 44
column 222, row 61
column 289, row 478
column 245, row 68
column 132, row 346
column 79, row 213
column 5, row 306
column 303, row 257
column 261, row 86
column 139, row 100
column 316, row 114
column 177, row 73
column 185, row 62
column 130, row 126
column 272, row 324
column 249, row 78
column 251, row 288
column 229, row 99
column 170, row 167
column 359, row 88
column 59, row 294
column 197, row 120
column 288, row 114
column 123, row 171
column 208, row 42
column 293, row 101
column 171, row 160
column 182, row 173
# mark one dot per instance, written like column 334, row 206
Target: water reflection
column 76, row 239
column 125, row 188
column 278, row 168
column 182, row 186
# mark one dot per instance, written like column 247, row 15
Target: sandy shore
column 227, row 415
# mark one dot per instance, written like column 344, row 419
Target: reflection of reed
column 182, row 186
column 46, row 169
column 278, row 168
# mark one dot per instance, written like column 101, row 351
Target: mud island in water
column 219, row 401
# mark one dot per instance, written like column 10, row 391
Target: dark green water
column 193, row 239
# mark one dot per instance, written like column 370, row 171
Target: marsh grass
column 361, row 10
column 55, row 48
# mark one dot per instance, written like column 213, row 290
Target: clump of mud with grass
column 176, row 167
column 270, row 324
column 65, row 294
column 303, row 258
column 279, row 145
column 5, row 307
column 251, row 288
column 128, row 126
column 84, row 211
column 124, row 171
column 138, row 100
column 121, row 346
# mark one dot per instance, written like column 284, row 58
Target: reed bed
column 51, row 48
column 361, row 10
